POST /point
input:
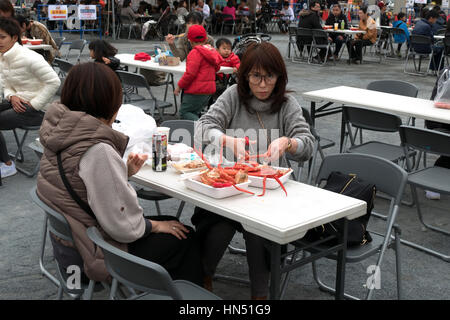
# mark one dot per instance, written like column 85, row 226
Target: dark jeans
column 10, row 119
column 355, row 48
column 192, row 105
column 339, row 43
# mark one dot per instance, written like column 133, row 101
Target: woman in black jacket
column 101, row 51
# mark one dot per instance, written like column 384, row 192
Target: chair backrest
column 447, row 43
column 395, row 87
column 321, row 35
column 181, row 131
column 388, row 177
column 78, row 44
column 64, row 66
column 441, row 31
column 430, row 141
column 133, row 271
column 132, row 79
column 371, row 120
column 126, row 20
column 303, row 32
column 57, row 223
column 59, row 41
column 420, row 39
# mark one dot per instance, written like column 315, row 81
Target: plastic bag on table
column 178, row 151
column 138, row 126
column 442, row 98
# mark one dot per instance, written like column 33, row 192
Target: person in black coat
column 337, row 17
column 102, row 52
column 309, row 19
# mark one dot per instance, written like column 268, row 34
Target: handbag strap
column 83, row 205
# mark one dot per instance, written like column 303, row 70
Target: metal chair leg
column 398, row 268
column 44, row 271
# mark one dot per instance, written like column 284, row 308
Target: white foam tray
column 270, row 182
column 218, row 193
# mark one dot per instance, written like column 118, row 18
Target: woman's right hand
column 18, row 104
column 173, row 227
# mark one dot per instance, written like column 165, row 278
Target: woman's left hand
column 276, row 149
column 135, row 162
column 106, row 60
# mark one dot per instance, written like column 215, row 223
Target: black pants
column 10, row 119
column 355, row 48
column 181, row 258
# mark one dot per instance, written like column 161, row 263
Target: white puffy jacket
column 26, row 74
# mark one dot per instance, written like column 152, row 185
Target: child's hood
column 209, row 53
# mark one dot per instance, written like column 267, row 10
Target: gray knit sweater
column 229, row 116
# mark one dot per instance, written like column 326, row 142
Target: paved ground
column 424, row 277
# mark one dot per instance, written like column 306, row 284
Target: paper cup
column 164, row 130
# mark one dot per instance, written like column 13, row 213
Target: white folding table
column 38, row 46
column 275, row 216
column 374, row 100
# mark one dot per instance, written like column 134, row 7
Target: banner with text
column 57, row 12
column 87, row 12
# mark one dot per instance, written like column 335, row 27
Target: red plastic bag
column 142, row 56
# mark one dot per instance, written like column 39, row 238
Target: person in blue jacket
column 401, row 38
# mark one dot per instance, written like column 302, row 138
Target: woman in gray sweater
column 259, row 108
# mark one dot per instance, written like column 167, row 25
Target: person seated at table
column 230, row 59
column 79, row 129
column 203, row 9
column 424, row 27
column 367, row 24
column 258, row 103
column 401, row 38
column 338, row 38
column 127, row 11
column 34, row 29
column 440, row 22
column 198, row 81
column 183, row 46
column 36, row 3
column 230, row 10
column 384, row 17
column 144, row 8
column 310, row 19
column 6, row 9
column 264, row 15
column 287, row 16
column 29, row 84
column 163, row 14
column 103, row 52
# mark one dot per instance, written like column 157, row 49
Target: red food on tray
column 442, row 105
column 35, row 41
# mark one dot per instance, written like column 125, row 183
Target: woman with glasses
column 260, row 108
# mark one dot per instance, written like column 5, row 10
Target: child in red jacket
column 198, row 82
column 223, row 46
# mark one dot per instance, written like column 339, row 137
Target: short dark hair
column 93, row 88
column 6, row 6
column 432, row 15
column 424, row 12
column 194, row 18
column 126, row 3
column 336, row 5
column 11, row 27
column 436, row 8
column 312, row 3
column 21, row 19
column 102, row 49
column 265, row 56
column 222, row 41
column 401, row 15
column 363, row 9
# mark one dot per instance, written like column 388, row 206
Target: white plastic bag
column 139, row 126
column 442, row 98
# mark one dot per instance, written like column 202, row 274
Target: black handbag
column 352, row 186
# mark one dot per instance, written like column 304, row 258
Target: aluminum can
column 159, row 148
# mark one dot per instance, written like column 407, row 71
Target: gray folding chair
column 229, row 22
column 304, row 41
column 18, row 155
column 319, row 145
column 64, row 67
column 145, row 276
column 429, row 178
column 374, row 121
column 128, row 22
column 58, row 225
column 388, row 178
column 445, row 54
column 181, row 131
column 136, row 81
column 320, row 41
column 411, row 53
column 395, row 87
column 78, row 45
column 292, row 43
column 59, row 42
